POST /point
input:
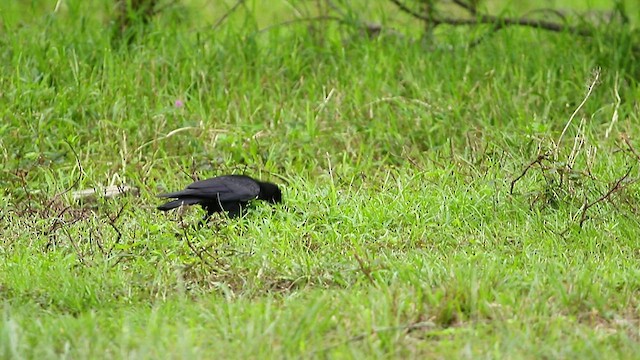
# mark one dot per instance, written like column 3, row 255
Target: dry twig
column 596, row 77
column 538, row 161
column 615, row 188
column 408, row 328
column 365, row 269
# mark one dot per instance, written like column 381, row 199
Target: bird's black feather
column 228, row 193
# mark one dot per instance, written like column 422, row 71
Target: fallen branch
column 499, row 22
column 106, row 192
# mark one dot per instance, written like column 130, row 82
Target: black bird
column 229, row 193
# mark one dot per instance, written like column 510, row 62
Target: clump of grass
column 575, row 183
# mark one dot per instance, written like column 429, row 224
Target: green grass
column 399, row 236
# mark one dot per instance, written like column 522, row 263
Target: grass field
column 441, row 200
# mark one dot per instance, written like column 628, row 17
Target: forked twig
column 538, row 161
column 625, row 138
column 112, row 223
column 615, row 188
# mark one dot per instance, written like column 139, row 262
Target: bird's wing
column 221, row 188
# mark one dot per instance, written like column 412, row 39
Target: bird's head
column 270, row 192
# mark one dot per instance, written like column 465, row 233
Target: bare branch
column 469, row 7
column 227, row 14
column 407, row 10
column 494, row 20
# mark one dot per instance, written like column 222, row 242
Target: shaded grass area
column 402, row 233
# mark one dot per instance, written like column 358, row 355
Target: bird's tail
column 177, row 203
